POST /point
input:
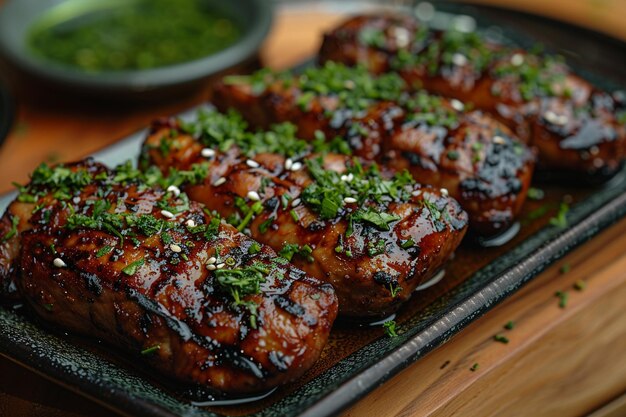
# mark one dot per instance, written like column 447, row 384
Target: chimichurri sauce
column 138, row 34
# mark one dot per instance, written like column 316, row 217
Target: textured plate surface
column 446, row 308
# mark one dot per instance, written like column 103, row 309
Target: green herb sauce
column 131, row 35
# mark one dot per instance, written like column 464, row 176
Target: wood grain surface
column 559, row 362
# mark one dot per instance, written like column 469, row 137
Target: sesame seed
column 211, row 267
column 252, row 164
column 207, row 153
column 288, row 164
column 219, row 182
column 295, row 202
column 211, row 260
column 517, row 60
column 58, row 262
column 175, row 248
column 174, row 190
column 297, row 166
column 402, row 36
column 444, row 192
column 499, row 140
column 76, row 200
column 220, row 266
column 555, row 119
column 254, row 196
column 457, row 105
column 459, row 59
column 416, row 193
column 168, row 214
column 190, row 223
column 349, row 200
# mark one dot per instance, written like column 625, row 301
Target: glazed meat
column 373, row 235
column 576, row 127
column 475, row 158
column 101, row 254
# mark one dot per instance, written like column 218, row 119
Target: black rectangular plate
column 129, row 392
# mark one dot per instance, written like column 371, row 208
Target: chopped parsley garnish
column 501, row 338
column 560, row 219
column 15, row 220
column 565, row 268
column 240, row 282
column 263, row 227
column 409, row 243
column 151, row 350
column 580, row 285
column 355, row 87
column 132, row 268
column 376, row 247
column 390, row 328
column 254, row 248
column 290, row 249
column 328, row 193
column 223, row 131
column 536, row 193
column 474, row 367
column 538, row 75
column 380, row 219
column 563, row 297
column 103, row 251
column 394, row 289
column 60, row 180
column 509, row 325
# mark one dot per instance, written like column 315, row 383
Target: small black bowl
column 254, row 17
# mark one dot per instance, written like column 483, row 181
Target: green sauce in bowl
column 103, row 36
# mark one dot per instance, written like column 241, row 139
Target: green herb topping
column 132, row 268
column 151, row 350
column 501, row 338
column 390, row 328
column 563, row 297
column 240, row 282
column 15, row 220
column 290, row 249
column 328, row 195
column 560, row 219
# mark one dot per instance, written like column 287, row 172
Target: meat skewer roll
column 475, row 158
column 374, row 235
column 576, row 127
column 101, row 254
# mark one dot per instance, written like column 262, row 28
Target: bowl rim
column 136, row 80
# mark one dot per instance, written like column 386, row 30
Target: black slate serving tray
column 82, row 366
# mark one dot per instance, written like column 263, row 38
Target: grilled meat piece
column 100, row 254
column 373, row 235
column 575, row 126
column 477, row 159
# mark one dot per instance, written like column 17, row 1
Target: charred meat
column 575, row 126
column 469, row 154
column 102, row 254
column 374, row 235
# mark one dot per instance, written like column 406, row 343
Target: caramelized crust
column 130, row 288
column 475, row 158
column 574, row 126
column 367, row 283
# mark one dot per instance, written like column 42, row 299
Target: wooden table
column 559, row 362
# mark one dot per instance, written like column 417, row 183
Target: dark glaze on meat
column 373, row 269
column 574, row 126
column 477, row 159
column 154, row 292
